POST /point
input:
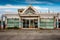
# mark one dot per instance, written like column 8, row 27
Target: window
column 46, row 23
column 12, row 22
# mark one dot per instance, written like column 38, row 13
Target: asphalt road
column 30, row 35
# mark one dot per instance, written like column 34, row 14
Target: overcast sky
column 42, row 5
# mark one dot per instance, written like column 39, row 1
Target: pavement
column 29, row 34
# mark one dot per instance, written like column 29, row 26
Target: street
column 30, row 35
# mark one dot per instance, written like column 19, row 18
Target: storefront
column 30, row 18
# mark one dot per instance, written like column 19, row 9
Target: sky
column 40, row 5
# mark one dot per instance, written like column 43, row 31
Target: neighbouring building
column 30, row 18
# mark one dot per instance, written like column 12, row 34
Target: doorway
column 30, row 23
column 25, row 23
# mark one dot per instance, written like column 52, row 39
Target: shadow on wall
column 4, row 25
column 0, row 24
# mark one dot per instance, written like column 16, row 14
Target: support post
column 38, row 23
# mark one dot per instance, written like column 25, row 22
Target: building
column 30, row 18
